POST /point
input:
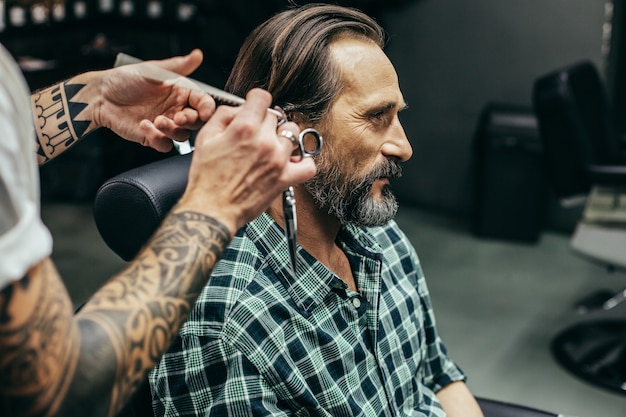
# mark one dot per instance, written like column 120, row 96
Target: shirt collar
column 314, row 281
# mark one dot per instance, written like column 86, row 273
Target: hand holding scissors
column 307, row 144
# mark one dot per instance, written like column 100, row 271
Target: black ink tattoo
column 91, row 364
column 38, row 348
column 152, row 310
column 57, row 126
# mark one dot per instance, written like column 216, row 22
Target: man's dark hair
column 288, row 55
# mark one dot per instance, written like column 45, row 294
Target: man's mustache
column 387, row 169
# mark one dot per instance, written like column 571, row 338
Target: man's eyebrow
column 388, row 106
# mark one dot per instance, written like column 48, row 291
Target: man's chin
column 373, row 211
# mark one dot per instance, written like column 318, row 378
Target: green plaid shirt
column 259, row 343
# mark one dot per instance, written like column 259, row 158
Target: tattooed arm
column 122, row 100
column 55, row 363
column 133, row 319
column 92, row 363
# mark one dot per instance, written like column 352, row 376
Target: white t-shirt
column 24, row 239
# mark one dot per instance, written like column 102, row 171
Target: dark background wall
column 455, row 56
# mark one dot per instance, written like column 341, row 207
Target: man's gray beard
column 350, row 201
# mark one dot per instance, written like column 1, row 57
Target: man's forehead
column 367, row 74
column 350, row 52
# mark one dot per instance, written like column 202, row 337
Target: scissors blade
column 291, row 226
column 161, row 74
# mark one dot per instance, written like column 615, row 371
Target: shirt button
column 356, row 302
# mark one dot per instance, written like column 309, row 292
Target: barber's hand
column 130, row 102
column 240, row 164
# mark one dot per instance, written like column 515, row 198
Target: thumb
column 183, row 65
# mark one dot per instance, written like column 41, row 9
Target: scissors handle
column 309, row 143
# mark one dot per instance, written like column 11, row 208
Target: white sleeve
column 24, row 239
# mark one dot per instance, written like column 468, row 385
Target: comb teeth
column 223, row 100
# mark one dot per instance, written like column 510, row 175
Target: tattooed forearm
column 38, row 343
column 58, row 123
column 54, row 363
column 141, row 310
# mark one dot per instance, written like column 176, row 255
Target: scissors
column 307, row 144
column 289, row 199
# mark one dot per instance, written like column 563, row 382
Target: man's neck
column 317, row 233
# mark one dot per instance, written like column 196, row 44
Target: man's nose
column 398, row 146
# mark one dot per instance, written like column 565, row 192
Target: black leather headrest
column 129, row 207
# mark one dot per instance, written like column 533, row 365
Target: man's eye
column 378, row 115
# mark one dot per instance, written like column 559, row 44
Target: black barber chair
column 584, row 155
column 129, row 207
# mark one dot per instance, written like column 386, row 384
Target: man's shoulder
column 240, row 263
column 241, row 269
column 242, row 256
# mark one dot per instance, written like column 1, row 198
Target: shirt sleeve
column 439, row 369
column 24, row 239
column 185, row 383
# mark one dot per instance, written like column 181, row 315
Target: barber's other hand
column 130, row 102
column 240, row 164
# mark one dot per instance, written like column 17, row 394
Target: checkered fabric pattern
column 259, row 343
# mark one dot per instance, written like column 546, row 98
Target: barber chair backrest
column 495, row 408
column 575, row 126
column 129, row 207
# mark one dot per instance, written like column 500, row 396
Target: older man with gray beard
column 353, row 333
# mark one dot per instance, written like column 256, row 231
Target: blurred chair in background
column 584, row 156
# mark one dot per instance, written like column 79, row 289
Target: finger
column 221, row 119
column 188, row 118
column 299, row 171
column 290, row 136
column 161, row 144
column 256, row 105
column 293, row 127
column 154, row 138
column 201, row 107
column 183, row 65
column 290, row 132
column 255, row 111
column 166, row 127
column 203, row 104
